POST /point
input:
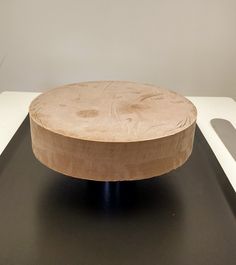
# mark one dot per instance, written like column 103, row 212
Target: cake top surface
column 112, row 111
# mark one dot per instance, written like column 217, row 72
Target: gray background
column 188, row 46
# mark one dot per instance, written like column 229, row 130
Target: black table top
column 184, row 217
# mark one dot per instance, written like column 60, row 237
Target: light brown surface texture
column 112, row 130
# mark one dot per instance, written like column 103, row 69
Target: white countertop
column 14, row 109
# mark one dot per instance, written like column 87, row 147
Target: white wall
column 188, row 46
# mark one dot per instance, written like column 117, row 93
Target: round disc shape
column 112, row 130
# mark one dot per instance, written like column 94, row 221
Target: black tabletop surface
column 184, row 217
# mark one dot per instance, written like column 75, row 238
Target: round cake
column 112, row 130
